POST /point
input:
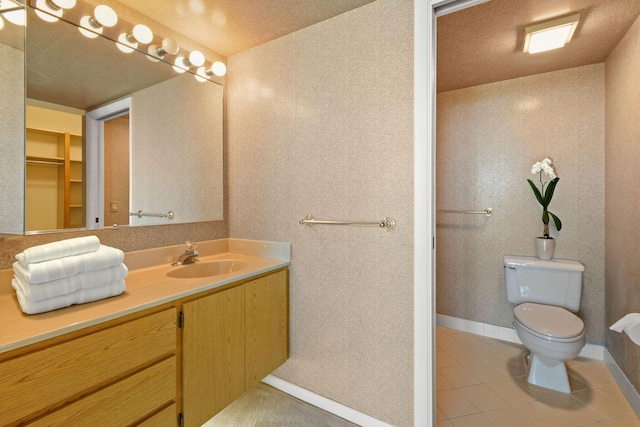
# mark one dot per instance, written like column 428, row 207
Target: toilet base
column 552, row 377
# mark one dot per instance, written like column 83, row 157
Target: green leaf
column 556, row 221
column 536, row 192
column 548, row 194
column 545, row 216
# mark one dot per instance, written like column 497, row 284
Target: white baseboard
column 324, row 403
column 625, row 385
column 590, row 351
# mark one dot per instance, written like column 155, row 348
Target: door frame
column 425, row 91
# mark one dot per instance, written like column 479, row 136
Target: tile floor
column 481, row 382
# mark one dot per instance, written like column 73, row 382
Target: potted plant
column 544, row 169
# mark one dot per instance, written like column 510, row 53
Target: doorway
column 108, row 164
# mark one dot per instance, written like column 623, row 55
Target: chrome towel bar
column 140, row 214
column 487, row 212
column 387, row 223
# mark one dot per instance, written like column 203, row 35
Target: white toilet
column 545, row 293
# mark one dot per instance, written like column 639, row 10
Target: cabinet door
column 212, row 354
column 266, row 325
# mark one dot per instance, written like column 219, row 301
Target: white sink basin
column 207, row 269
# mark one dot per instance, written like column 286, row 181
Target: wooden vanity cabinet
column 232, row 339
column 117, row 373
column 176, row 364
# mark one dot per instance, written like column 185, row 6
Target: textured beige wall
column 12, row 166
column 623, row 197
column 488, row 137
column 320, row 122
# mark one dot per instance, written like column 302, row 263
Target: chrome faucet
column 189, row 256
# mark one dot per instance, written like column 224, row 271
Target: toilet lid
column 549, row 320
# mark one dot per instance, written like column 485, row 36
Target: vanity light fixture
column 550, row 35
column 182, row 64
column 217, row 68
column 169, row 47
column 51, row 10
column 127, row 42
column 92, row 26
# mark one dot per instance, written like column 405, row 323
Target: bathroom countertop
column 147, row 287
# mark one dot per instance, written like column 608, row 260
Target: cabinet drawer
column 36, row 382
column 167, row 417
column 122, row 403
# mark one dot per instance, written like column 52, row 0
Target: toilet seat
column 549, row 322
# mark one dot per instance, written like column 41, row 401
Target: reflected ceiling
column 483, row 44
column 66, row 68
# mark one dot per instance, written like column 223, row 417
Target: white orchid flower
column 544, row 197
column 536, row 168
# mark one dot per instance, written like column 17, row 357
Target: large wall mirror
column 108, row 135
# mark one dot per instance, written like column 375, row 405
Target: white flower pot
column 545, row 247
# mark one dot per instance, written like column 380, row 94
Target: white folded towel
column 67, row 285
column 55, row 269
column 78, row 297
column 60, row 249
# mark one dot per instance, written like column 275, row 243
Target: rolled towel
column 67, row 285
column 60, row 249
column 47, row 271
column 79, row 297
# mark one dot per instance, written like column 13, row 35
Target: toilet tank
column 555, row 282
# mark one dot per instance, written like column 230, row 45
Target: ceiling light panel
column 550, row 35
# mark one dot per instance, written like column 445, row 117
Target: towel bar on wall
column 140, row 214
column 487, row 211
column 387, row 223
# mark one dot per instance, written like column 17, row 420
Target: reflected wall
column 12, row 164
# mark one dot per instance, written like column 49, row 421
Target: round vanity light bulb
column 180, row 66
column 105, row 16
column 152, row 51
column 16, row 17
column 88, row 30
column 170, row 46
column 142, row 34
column 46, row 12
column 201, row 74
column 196, row 58
column 124, row 45
column 45, row 16
column 219, row 69
column 62, row 4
